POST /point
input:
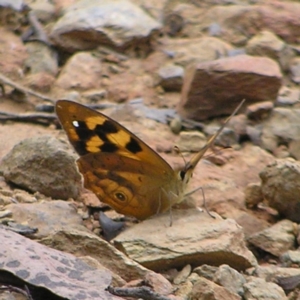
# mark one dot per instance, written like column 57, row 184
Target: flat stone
column 206, row 240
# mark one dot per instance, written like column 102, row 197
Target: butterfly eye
column 182, row 174
column 120, row 196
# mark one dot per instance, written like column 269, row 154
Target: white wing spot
column 75, row 124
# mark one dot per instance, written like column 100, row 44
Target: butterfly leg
column 170, row 196
column 204, row 202
column 159, row 203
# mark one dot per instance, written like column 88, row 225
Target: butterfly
column 120, row 168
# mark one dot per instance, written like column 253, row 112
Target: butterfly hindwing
column 128, row 185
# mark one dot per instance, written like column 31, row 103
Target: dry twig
column 6, row 81
column 40, row 118
column 143, row 292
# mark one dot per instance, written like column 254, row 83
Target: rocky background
column 169, row 71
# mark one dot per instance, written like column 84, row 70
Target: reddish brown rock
column 205, row 289
column 215, row 88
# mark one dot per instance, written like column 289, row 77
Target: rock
column 250, row 223
column 82, row 72
column 226, row 138
column 16, row 5
column 17, row 132
column 89, row 199
column 173, row 24
column 259, row 111
column 287, row 96
column 276, row 17
column 81, row 242
column 230, row 279
column 119, row 24
column 41, row 58
column 272, row 272
column 281, row 127
column 193, row 51
column 239, row 124
column 295, row 70
column 41, row 82
column 110, row 228
column 47, row 216
column 289, row 284
column 183, row 274
column 253, row 195
column 294, row 149
column 205, row 289
column 291, row 258
column 24, row 197
column 223, row 186
column 12, row 55
column 176, row 125
column 193, row 277
column 277, row 239
column 280, row 183
column 32, row 163
column 266, row 43
column 92, row 262
column 281, row 152
column 258, row 288
column 237, row 78
column 44, row 268
column 184, row 290
column 158, row 283
column 191, row 141
column 206, row 271
column 43, row 10
column 254, row 133
column 199, row 245
column 171, row 78
column 95, row 95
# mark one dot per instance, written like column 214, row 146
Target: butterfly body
column 121, row 169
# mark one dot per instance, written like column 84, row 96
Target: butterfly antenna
column 191, row 165
column 178, row 151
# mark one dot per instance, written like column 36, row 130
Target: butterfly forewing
column 90, row 131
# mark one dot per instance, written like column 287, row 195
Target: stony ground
column 170, row 72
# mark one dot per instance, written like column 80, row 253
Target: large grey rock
column 42, row 164
column 280, row 183
column 276, row 239
column 89, row 23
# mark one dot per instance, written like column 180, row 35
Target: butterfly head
column 185, row 174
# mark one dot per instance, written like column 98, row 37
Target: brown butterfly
column 121, row 169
